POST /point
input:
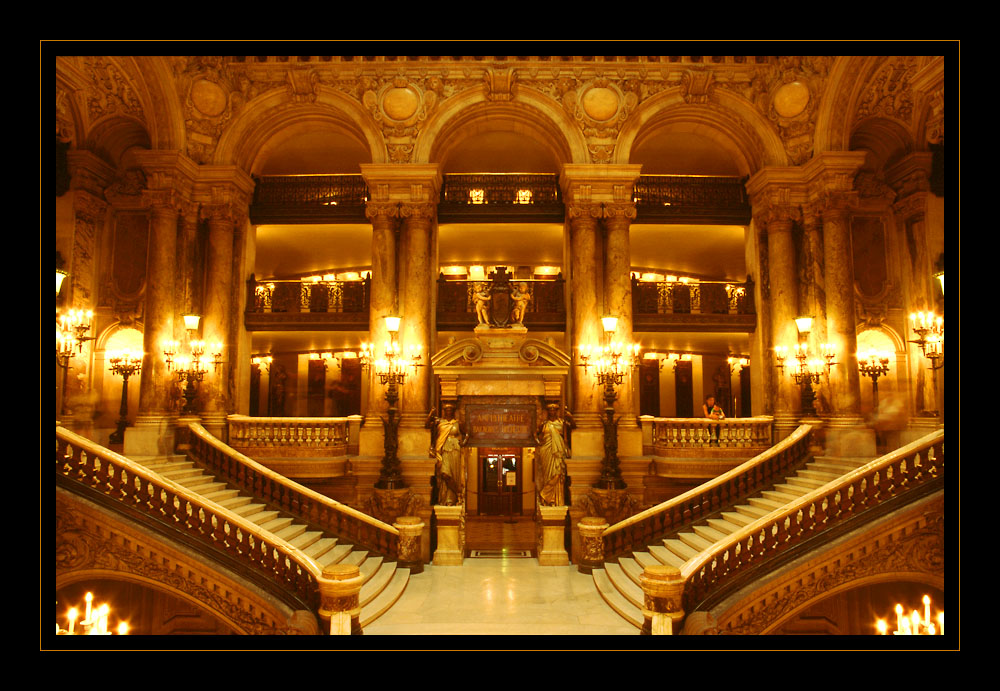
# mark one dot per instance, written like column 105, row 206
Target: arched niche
column 112, row 137
column 107, row 384
column 892, row 396
column 886, row 141
column 311, row 147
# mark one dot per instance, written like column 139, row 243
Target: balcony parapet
column 309, row 199
column 289, row 436
column 693, row 305
column 679, row 436
column 501, row 198
column 300, row 304
column 691, row 199
column 546, row 308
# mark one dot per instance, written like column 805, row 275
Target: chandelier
column 190, row 368
column 71, row 332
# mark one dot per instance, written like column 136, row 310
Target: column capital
column 381, row 210
column 579, row 211
column 598, row 183
column 619, row 211
column 167, row 170
column 420, row 211
column 88, row 172
column 402, row 182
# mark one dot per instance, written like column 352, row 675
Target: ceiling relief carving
column 599, row 95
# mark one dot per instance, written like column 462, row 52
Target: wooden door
column 684, row 388
column 500, row 472
column 649, row 388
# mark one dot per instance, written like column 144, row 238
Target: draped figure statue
column 447, row 443
column 551, row 454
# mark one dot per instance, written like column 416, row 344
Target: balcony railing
column 498, row 197
column 691, row 199
column 693, row 305
column 307, row 304
column 309, row 199
column 546, row 308
column 313, row 436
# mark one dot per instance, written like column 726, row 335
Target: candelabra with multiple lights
column 611, row 363
column 391, row 367
column 190, row 368
column 125, row 364
column 71, row 333
column 929, row 329
column 874, row 364
column 914, row 624
column 94, row 622
column 810, row 369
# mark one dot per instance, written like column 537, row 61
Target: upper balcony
column 500, row 198
column 315, row 303
column 669, row 303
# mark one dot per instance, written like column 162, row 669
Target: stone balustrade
column 670, row 435
column 290, row 436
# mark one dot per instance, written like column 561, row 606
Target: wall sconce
column 60, row 277
column 262, row 361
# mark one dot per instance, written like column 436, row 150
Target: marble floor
column 508, row 596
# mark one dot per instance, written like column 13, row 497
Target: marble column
column 845, row 383
column 783, row 280
column 415, row 286
column 382, row 300
column 215, row 322
column 584, row 309
column 152, row 433
column 618, row 294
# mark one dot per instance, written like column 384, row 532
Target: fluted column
column 415, row 285
column 584, row 308
column 382, row 300
column 217, row 303
column 618, row 292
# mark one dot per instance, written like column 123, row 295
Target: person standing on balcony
column 711, row 411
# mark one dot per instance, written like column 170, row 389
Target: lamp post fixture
column 736, row 362
column 124, row 364
column 610, row 362
column 929, row 329
column 391, row 369
column 190, row 369
column 809, row 371
column 873, row 364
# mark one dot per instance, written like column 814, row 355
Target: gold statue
column 447, row 445
column 481, row 297
column 520, row 297
column 552, row 452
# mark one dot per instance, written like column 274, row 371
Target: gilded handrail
column 639, row 530
column 285, row 494
column 884, row 478
column 147, row 492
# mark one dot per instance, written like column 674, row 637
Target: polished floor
column 499, row 594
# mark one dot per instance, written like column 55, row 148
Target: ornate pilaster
column 382, row 303
column 618, row 291
column 584, row 307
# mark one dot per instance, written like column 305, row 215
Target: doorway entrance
column 501, row 479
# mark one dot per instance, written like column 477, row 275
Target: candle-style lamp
column 94, row 622
column 809, row 370
column 190, row 368
column 391, row 367
column 874, row 364
column 610, row 362
column 929, row 329
column 913, row 624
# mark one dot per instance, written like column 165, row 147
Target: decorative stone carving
column 888, row 92
column 110, row 92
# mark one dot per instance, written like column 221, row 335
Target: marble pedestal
column 450, row 550
column 551, row 546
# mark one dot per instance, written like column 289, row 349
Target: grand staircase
column 618, row 581
column 384, row 582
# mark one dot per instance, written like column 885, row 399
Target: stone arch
column 277, row 115
column 887, row 140
column 731, row 122
column 111, row 137
column 529, row 113
column 167, row 128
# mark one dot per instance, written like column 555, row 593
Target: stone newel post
column 340, row 601
column 591, row 543
column 410, row 548
column 663, row 605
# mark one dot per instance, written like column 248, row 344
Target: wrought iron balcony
column 691, row 199
column 693, row 306
column 293, row 305
column 309, row 199
column 501, row 197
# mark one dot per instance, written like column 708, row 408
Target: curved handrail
column 912, row 465
column 639, row 530
column 147, row 492
column 287, row 495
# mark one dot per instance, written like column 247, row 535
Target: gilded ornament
column 208, row 97
column 791, row 99
column 400, row 103
column 600, row 103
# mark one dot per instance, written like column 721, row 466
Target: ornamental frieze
column 889, row 93
column 110, row 92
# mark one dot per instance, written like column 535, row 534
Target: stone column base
column 450, row 550
column 552, row 541
column 410, row 529
column 151, row 435
column 591, row 543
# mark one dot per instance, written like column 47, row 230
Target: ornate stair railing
column 917, row 465
column 143, row 492
column 673, row 434
column 286, row 495
column 759, row 473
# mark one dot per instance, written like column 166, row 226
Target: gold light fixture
column 391, row 367
column 809, row 370
column 94, row 622
column 874, row 364
column 60, row 277
column 125, row 364
column 190, row 368
column 914, row 624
